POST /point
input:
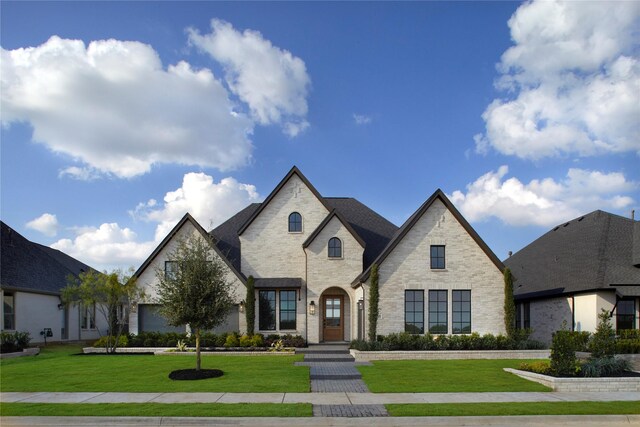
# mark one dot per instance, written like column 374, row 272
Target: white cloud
column 272, row 81
column 210, row 203
column 81, row 174
column 571, row 80
column 106, row 247
column 361, row 119
column 543, row 202
column 112, row 106
column 46, row 224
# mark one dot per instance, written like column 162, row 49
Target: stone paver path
column 333, row 369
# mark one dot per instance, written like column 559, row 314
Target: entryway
column 333, row 318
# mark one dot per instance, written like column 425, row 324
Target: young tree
column 509, row 304
column 112, row 295
column 374, row 297
column 196, row 292
column 603, row 341
column 250, row 306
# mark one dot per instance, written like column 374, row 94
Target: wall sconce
column 60, row 306
column 312, row 308
column 242, row 306
column 134, row 306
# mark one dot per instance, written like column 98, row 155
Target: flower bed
column 169, row 351
column 605, row 384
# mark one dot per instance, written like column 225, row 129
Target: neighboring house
column 31, row 277
column 567, row 276
column 311, row 258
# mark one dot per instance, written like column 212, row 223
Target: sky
column 119, row 117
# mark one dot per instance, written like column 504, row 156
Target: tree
column 250, row 306
column 509, row 304
column 196, row 292
column 374, row 297
column 603, row 340
column 110, row 293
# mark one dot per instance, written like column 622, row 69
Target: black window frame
column 288, row 296
column 12, row 313
column 295, row 222
column 331, row 250
column 435, row 310
column 264, row 323
column 460, row 305
column 438, row 260
column 526, row 315
column 414, row 306
column 88, row 317
column 518, row 316
column 630, row 317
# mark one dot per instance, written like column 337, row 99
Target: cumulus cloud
column 210, row 203
column 361, row 119
column 106, row 246
column 113, row 106
column 272, row 81
column 571, row 82
column 46, row 224
column 543, row 202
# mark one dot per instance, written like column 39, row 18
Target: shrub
column 603, row 341
column 123, row 341
column 22, row 339
column 245, row 341
column 11, row 342
column 563, row 353
column 257, row 340
column 509, row 304
column 627, row 346
column 604, row 367
column 250, row 305
column 540, row 367
column 373, row 303
column 629, row 334
column 232, row 341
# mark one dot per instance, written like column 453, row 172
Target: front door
column 333, row 320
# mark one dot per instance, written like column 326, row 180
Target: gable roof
column 188, row 218
column 294, row 171
column 587, row 253
column 413, row 219
column 323, row 224
column 31, row 267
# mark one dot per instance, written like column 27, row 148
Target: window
column 170, row 269
column 414, row 312
column 295, row 223
column 437, row 257
column 461, row 312
column 438, row 312
column 267, row 310
column 287, row 309
column 625, row 314
column 88, row 317
column 526, row 315
column 335, row 248
column 518, row 318
column 9, row 307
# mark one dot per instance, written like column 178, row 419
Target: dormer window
column 295, row 223
column 335, row 248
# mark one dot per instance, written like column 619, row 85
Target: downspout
column 364, row 313
column 306, row 291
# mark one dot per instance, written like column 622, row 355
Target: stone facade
column 548, row 316
column 467, row 268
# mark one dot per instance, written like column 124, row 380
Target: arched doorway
column 335, row 315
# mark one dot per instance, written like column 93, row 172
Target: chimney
column 510, row 253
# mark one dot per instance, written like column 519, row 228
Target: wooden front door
column 332, row 318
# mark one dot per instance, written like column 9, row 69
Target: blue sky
column 119, row 117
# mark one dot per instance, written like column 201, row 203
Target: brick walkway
column 333, row 369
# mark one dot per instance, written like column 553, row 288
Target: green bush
column 629, row 334
column 540, row 367
column 288, row 340
column 245, row 341
column 123, row 341
column 257, row 340
column 232, row 341
column 603, row 341
column 627, row 346
column 11, row 342
column 406, row 341
column 22, row 339
column 563, row 353
column 604, row 367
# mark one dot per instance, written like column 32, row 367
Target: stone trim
column 34, row 351
column 581, row 384
column 362, row 356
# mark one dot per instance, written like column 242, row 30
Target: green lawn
column 158, row 409
column 59, row 369
column 513, row 408
column 432, row 376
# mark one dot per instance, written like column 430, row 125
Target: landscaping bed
column 171, row 351
column 367, row 356
column 601, row 384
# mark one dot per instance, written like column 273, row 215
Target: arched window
column 295, row 223
column 335, row 248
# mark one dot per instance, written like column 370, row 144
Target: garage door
column 149, row 320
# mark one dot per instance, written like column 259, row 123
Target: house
column 566, row 277
column 31, row 277
column 311, row 258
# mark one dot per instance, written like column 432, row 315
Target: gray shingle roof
column 591, row 252
column 33, row 267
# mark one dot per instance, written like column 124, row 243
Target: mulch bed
column 192, row 374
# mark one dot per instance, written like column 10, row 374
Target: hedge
column 14, row 342
column 207, row 339
column 474, row 341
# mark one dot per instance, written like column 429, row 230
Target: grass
column 158, row 409
column 433, row 376
column 513, row 408
column 58, row 369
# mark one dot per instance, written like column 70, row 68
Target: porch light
column 242, row 306
column 312, row 308
column 134, row 306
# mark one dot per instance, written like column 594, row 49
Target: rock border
column 367, row 356
column 34, row 351
column 170, row 351
column 604, row 384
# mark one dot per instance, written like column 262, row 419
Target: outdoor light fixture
column 242, row 306
column 312, row 308
column 134, row 306
column 60, row 306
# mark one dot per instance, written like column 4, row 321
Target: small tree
column 603, row 341
column 111, row 293
column 509, row 304
column 563, row 353
column 196, row 292
column 374, row 297
column 250, row 305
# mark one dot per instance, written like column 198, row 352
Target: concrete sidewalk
column 340, row 398
column 520, row 421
